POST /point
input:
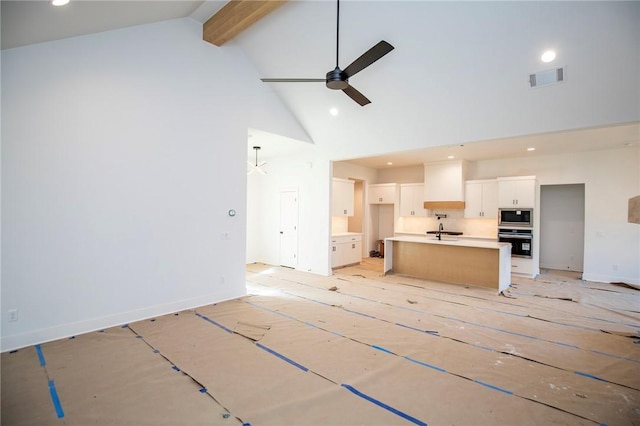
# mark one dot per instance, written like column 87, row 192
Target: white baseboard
column 609, row 279
column 17, row 341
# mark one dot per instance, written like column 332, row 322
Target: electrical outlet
column 615, row 267
column 13, row 315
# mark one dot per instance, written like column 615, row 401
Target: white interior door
column 289, row 228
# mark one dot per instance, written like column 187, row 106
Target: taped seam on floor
column 305, row 369
column 462, row 321
column 282, row 357
column 487, row 385
column 52, row 386
column 214, row 323
column 40, row 356
column 377, row 347
column 55, row 399
column 174, row 367
column 448, row 301
column 383, row 405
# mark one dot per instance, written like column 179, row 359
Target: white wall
column 122, row 153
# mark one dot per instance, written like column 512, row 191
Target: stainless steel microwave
column 515, row 217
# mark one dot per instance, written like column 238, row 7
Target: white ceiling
column 298, row 40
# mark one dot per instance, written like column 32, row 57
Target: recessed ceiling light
column 59, row 2
column 389, row 163
column 333, row 111
column 531, row 149
column 548, row 56
column 451, row 157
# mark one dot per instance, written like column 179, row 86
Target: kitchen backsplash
column 339, row 225
column 454, row 221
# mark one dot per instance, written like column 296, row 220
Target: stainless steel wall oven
column 521, row 241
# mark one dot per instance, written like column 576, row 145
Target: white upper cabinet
column 382, row 193
column 412, row 200
column 517, row 192
column 481, row 199
column 342, row 197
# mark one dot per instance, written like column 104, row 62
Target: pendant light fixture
column 256, row 167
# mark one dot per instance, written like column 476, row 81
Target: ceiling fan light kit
column 338, row 79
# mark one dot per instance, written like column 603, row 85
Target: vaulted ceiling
column 458, row 74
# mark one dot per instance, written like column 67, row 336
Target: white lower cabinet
column 346, row 250
column 522, row 266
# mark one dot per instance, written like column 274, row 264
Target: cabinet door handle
column 380, row 199
column 334, row 248
column 353, row 246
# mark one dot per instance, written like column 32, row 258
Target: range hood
column 444, row 185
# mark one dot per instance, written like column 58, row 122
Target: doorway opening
column 562, row 227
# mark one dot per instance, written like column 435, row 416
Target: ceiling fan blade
column 356, row 96
column 261, row 164
column 262, row 172
column 293, row 80
column 368, row 58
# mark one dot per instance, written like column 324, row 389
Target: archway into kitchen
column 562, row 228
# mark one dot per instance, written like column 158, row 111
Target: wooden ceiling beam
column 235, row 17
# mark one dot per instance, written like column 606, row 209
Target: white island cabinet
column 467, row 262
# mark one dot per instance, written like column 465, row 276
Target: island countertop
column 449, row 240
column 455, row 260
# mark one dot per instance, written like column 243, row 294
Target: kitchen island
column 468, row 262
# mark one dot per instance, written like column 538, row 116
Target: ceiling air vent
column 547, row 77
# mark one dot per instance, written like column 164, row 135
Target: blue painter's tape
column 433, row 333
column 214, row 323
column 203, row 390
column 359, row 313
column 566, row 344
column 493, row 387
column 615, row 356
column 40, row 356
column 155, row 351
column 310, row 325
column 380, row 348
column 424, row 364
column 175, row 367
column 282, row 357
column 590, row 376
column 383, row 405
column 55, row 399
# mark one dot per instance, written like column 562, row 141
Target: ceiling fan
column 338, row 79
column 256, row 167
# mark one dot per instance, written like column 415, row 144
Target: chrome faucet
column 440, row 229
